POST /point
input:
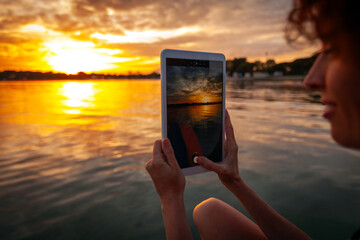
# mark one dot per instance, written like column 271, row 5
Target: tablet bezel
column 191, row 55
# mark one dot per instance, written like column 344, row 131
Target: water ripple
column 72, row 165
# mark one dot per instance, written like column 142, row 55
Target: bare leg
column 218, row 220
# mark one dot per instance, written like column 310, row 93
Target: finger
column 157, row 150
column 168, row 151
column 229, row 130
column 226, row 147
column 148, row 166
column 208, row 164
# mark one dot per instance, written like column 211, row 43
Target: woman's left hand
column 165, row 172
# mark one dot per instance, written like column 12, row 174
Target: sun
column 206, row 99
column 70, row 56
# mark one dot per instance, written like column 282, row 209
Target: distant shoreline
column 28, row 75
column 39, row 76
column 268, row 78
column 82, row 80
column 193, row 104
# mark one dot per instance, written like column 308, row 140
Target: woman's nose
column 315, row 79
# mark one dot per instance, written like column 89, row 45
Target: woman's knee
column 206, row 209
column 217, row 220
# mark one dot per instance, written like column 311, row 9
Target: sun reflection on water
column 79, row 96
column 58, row 167
column 95, row 104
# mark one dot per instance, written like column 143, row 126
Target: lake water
column 72, row 156
column 195, row 130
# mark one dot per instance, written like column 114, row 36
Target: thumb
column 208, row 164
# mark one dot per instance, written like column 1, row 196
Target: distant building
column 247, row 75
column 260, row 74
column 278, row 74
column 237, row 75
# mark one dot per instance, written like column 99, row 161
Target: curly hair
column 323, row 19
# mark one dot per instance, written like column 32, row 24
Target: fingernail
column 166, row 142
column 200, row 158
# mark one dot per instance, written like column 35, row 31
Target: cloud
column 12, row 21
column 146, row 14
column 142, row 28
column 143, row 15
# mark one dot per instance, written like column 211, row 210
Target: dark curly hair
column 324, row 20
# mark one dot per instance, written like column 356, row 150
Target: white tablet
column 193, row 104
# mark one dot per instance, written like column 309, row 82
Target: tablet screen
column 194, row 97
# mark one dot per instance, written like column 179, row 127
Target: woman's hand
column 165, row 172
column 169, row 182
column 228, row 170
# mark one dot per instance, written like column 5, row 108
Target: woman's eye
column 328, row 48
column 327, row 51
column 330, row 52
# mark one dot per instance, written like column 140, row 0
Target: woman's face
column 336, row 73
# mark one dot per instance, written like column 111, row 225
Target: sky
column 127, row 36
column 194, row 84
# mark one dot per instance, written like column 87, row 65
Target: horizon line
column 197, row 103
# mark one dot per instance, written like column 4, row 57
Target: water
column 72, row 158
column 195, row 130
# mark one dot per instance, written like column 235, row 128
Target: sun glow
column 206, row 99
column 72, row 56
column 78, row 96
column 149, row 36
column 33, row 28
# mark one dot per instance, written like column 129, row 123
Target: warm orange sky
column 118, row 36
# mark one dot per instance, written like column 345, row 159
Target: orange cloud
column 121, row 36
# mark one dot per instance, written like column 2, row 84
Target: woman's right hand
column 228, row 170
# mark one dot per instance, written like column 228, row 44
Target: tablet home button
column 195, row 158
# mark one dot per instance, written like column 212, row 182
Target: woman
column 336, row 73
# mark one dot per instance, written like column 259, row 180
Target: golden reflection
column 79, row 95
column 75, row 103
column 207, row 98
column 72, row 111
column 100, row 104
column 77, row 90
column 202, row 112
column 206, row 108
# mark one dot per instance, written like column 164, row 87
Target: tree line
column 297, row 67
column 238, row 65
column 29, row 75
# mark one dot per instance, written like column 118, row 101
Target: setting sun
column 71, row 56
column 72, row 36
column 206, row 99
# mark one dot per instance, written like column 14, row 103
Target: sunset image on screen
column 194, row 93
column 197, row 84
